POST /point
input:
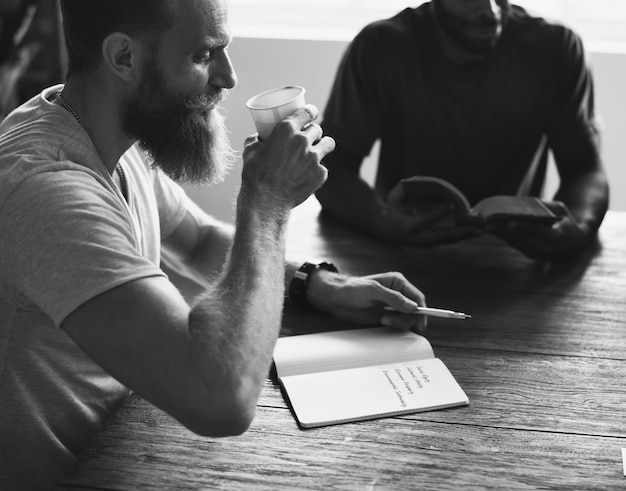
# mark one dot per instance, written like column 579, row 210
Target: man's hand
column 409, row 224
column 362, row 300
column 563, row 240
column 286, row 166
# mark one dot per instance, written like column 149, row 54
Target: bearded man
column 476, row 92
column 86, row 200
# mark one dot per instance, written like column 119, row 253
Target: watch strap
column 300, row 281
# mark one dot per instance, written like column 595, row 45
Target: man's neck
column 454, row 49
column 100, row 117
column 455, row 53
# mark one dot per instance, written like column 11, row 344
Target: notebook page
column 353, row 348
column 372, row 392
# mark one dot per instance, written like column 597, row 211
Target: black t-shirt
column 479, row 128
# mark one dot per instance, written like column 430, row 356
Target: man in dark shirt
column 474, row 92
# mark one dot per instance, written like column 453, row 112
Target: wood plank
column 386, row 454
column 542, row 361
column 570, row 308
column 533, row 323
column 534, row 392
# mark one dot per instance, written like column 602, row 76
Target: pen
column 448, row 314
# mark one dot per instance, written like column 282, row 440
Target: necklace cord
column 118, row 167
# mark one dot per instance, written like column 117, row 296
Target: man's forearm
column 235, row 324
column 354, row 202
column 587, row 198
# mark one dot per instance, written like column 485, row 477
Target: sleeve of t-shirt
column 68, row 241
column 573, row 123
column 353, row 112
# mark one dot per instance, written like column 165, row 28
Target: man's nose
column 488, row 8
column 223, row 74
column 487, row 11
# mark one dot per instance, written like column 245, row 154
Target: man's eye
column 204, row 58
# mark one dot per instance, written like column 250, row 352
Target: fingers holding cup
column 272, row 106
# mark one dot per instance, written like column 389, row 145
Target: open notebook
column 358, row 374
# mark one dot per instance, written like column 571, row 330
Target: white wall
column 263, row 64
column 610, row 79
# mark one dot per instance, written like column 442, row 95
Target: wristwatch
column 300, row 282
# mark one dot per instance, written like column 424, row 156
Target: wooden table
column 542, row 361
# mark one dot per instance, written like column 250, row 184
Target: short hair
column 86, row 23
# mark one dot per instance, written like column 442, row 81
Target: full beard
column 185, row 137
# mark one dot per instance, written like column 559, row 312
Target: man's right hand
column 286, row 167
column 408, row 225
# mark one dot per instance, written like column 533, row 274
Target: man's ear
column 121, row 55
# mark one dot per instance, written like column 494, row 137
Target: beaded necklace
column 118, row 167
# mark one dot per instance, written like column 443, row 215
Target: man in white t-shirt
column 86, row 314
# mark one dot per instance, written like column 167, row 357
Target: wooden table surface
column 542, row 361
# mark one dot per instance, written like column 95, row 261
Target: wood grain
column 395, row 453
column 542, row 361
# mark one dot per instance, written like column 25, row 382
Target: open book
column 432, row 190
column 358, row 374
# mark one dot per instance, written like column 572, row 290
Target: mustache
column 206, row 101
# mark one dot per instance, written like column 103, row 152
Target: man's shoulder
column 39, row 139
column 48, row 182
column 532, row 29
column 40, row 130
column 403, row 24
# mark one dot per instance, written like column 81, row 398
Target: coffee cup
column 272, row 106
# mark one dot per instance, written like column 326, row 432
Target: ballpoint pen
column 448, row 314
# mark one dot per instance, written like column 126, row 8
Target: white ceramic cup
column 272, row 106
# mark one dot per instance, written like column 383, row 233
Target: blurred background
column 31, row 53
column 292, row 42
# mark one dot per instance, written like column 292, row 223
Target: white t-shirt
column 66, row 235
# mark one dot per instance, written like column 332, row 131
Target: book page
column 518, row 207
column 353, row 348
column 372, row 392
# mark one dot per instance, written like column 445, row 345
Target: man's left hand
column 563, row 240
column 362, row 300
